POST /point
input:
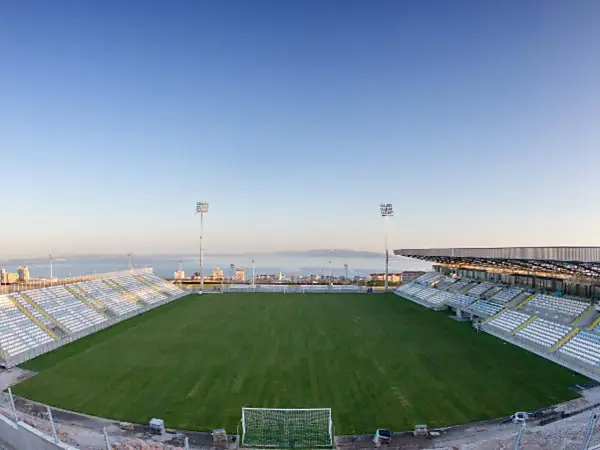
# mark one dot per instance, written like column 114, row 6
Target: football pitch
column 376, row 360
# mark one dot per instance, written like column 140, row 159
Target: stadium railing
column 294, row 288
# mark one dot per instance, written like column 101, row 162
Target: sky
column 479, row 120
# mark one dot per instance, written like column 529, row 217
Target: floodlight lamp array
column 386, row 210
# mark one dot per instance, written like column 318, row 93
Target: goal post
column 287, row 428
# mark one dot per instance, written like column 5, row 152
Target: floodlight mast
column 201, row 208
column 387, row 211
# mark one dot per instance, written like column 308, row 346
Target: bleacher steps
column 153, row 286
column 582, row 316
column 44, row 313
column 594, row 323
column 523, row 325
column 489, row 319
column 86, row 294
column 32, row 317
column 75, row 294
column 529, row 297
column 564, row 340
column 124, row 292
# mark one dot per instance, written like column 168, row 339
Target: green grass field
column 376, row 360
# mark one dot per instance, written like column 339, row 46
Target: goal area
column 287, row 428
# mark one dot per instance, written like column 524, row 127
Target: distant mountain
column 335, row 253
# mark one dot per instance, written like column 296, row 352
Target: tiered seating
column 140, row 290
column 566, row 306
column 410, row 288
column 426, row 293
column 34, row 312
column 447, row 281
column 506, row 295
column 440, row 298
column 17, row 332
column 584, row 346
column 544, row 332
column 485, row 308
column 67, row 310
column 462, row 301
column 509, row 320
column 113, row 300
column 428, row 278
column 480, row 289
column 163, row 285
column 493, row 291
column 459, row 285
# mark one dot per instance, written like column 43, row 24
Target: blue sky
column 479, row 120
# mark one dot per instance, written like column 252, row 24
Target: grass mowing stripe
column 376, row 360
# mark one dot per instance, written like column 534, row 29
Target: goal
column 287, row 428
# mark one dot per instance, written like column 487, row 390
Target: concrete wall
column 20, row 436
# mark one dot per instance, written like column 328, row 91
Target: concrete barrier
column 21, row 436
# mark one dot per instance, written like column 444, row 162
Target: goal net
column 287, row 428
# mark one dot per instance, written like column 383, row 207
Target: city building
column 179, row 275
column 3, row 276
column 392, row 277
column 408, row 276
column 12, row 277
column 23, row 273
column 240, row 275
column 217, row 274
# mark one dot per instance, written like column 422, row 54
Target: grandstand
column 539, row 298
column 36, row 321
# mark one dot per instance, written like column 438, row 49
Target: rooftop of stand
column 551, row 261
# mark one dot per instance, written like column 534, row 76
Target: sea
column 166, row 265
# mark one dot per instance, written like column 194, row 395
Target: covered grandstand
column 539, row 298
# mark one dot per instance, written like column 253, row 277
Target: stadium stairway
column 594, row 324
column 489, row 319
column 150, row 285
column 523, row 325
column 58, row 329
column 116, row 286
column 32, row 317
column 520, row 301
column 92, row 305
column 86, row 294
column 586, row 318
column 564, row 340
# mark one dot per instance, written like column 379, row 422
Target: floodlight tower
column 201, row 208
column 387, row 211
column 253, row 274
column 346, row 269
column 50, row 259
column 130, row 266
column 231, row 267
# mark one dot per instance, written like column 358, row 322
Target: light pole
column 253, row 274
column 201, row 208
column 130, row 266
column 50, row 259
column 330, row 274
column 231, row 267
column 387, row 211
column 346, row 269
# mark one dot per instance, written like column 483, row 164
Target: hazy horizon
column 477, row 120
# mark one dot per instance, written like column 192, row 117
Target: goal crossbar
column 287, row 427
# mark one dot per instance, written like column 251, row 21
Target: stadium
column 486, row 334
